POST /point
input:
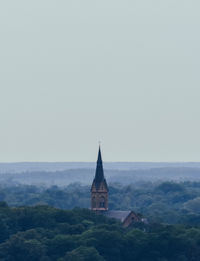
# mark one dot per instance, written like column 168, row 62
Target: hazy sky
column 124, row 72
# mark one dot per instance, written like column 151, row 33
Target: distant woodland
column 169, row 202
column 45, row 216
column 86, row 175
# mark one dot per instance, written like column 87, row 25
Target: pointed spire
column 99, row 175
column 99, row 159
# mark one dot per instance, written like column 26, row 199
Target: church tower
column 99, row 189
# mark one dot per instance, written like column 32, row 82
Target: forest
column 55, row 223
column 45, row 233
column 169, row 202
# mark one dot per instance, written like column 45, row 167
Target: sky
column 73, row 73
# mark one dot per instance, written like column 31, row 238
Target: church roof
column 99, row 174
column 120, row 215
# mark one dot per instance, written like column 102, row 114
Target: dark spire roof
column 99, row 175
column 99, row 159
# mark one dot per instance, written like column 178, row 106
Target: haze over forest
column 65, row 173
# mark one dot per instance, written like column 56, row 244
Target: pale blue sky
column 76, row 72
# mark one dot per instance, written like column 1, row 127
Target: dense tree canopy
column 161, row 202
column 36, row 223
column 45, row 233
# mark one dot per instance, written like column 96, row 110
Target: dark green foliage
column 81, row 235
column 44, row 233
column 83, row 254
column 163, row 202
column 168, row 187
column 17, row 248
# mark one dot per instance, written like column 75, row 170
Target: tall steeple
column 99, row 189
column 99, row 174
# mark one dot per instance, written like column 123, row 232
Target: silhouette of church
column 99, row 198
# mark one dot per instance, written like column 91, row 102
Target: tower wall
column 99, row 199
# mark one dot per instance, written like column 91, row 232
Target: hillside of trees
column 54, row 223
column 168, row 202
column 43, row 233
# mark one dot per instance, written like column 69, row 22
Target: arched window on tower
column 102, row 202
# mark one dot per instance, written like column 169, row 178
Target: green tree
column 83, row 254
column 19, row 249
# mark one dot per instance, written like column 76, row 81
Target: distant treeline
column 20, row 167
column 169, row 202
column 85, row 176
column 43, row 233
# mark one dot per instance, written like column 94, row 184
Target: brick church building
column 99, row 198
